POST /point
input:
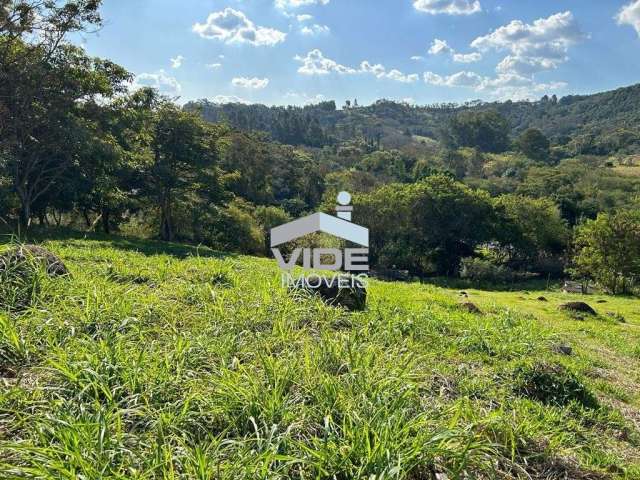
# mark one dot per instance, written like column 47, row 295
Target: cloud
column 630, row 15
column 417, row 58
column 305, row 98
column 315, row 29
column 448, row 7
column 503, row 87
column 284, row 4
column 159, row 80
column 441, row 47
column 460, row 79
column 229, row 99
column 315, row 63
column 177, row 61
column 542, row 45
column 467, row 57
column 304, row 17
column 233, row 26
column 213, row 66
column 252, row 83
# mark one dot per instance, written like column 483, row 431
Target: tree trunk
column 106, row 227
column 166, row 222
column 87, row 220
column 25, row 213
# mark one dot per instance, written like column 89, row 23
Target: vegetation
column 156, row 360
column 608, row 250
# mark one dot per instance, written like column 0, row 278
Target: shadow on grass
column 148, row 247
column 527, row 285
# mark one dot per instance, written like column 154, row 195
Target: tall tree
column 45, row 83
column 185, row 154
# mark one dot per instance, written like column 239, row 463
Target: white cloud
column 304, row 17
column 284, row 4
column 213, row 66
column 417, row 58
column 315, row 29
column 449, row 7
column 253, row 83
column 630, row 15
column 177, row 61
column 467, row 57
column 315, row 63
column 503, row 87
column 439, row 47
column 159, row 80
column 305, row 98
column 542, row 45
column 233, row 26
column 229, row 99
column 460, row 79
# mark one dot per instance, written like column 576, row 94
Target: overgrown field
column 157, row 361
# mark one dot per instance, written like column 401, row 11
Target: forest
column 490, row 192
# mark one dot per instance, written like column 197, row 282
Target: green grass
column 156, row 361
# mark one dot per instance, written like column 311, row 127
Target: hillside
column 157, row 360
column 602, row 123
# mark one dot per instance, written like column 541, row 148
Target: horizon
column 299, row 52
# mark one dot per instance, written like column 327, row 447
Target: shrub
column 20, row 281
column 552, row 384
column 481, row 270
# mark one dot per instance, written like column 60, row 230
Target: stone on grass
column 344, row 291
column 579, row 307
column 542, row 299
column 562, row 349
column 470, row 307
column 22, row 254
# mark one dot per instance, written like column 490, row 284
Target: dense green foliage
column 435, row 184
column 608, row 250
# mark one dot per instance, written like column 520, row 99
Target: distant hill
column 603, row 123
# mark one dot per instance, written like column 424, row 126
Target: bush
column 552, row 384
column 481, row 270
column 20, row 281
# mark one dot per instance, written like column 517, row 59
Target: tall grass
column 182, row 364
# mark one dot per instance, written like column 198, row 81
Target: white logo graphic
column 352, row 259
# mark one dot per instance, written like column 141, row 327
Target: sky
column 281, row 52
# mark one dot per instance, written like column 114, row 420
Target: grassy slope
column 158, row 361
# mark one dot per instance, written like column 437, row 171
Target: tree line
column 79, row 148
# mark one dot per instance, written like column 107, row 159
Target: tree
column 529, row 229
column 534, row 144
column 426, row 227
column 45, row 84
column 185, row 153
column 607, row 250
column 487, row 130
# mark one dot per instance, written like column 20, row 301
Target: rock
column 54, row 266
column 464, row 294
column 562, row 349
column 578, row 307
column 344, row 291
column 601, row 301
column 618, row 317
column 470, row 307
column 542, row 299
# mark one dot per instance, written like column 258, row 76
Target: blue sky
column 422, row 51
